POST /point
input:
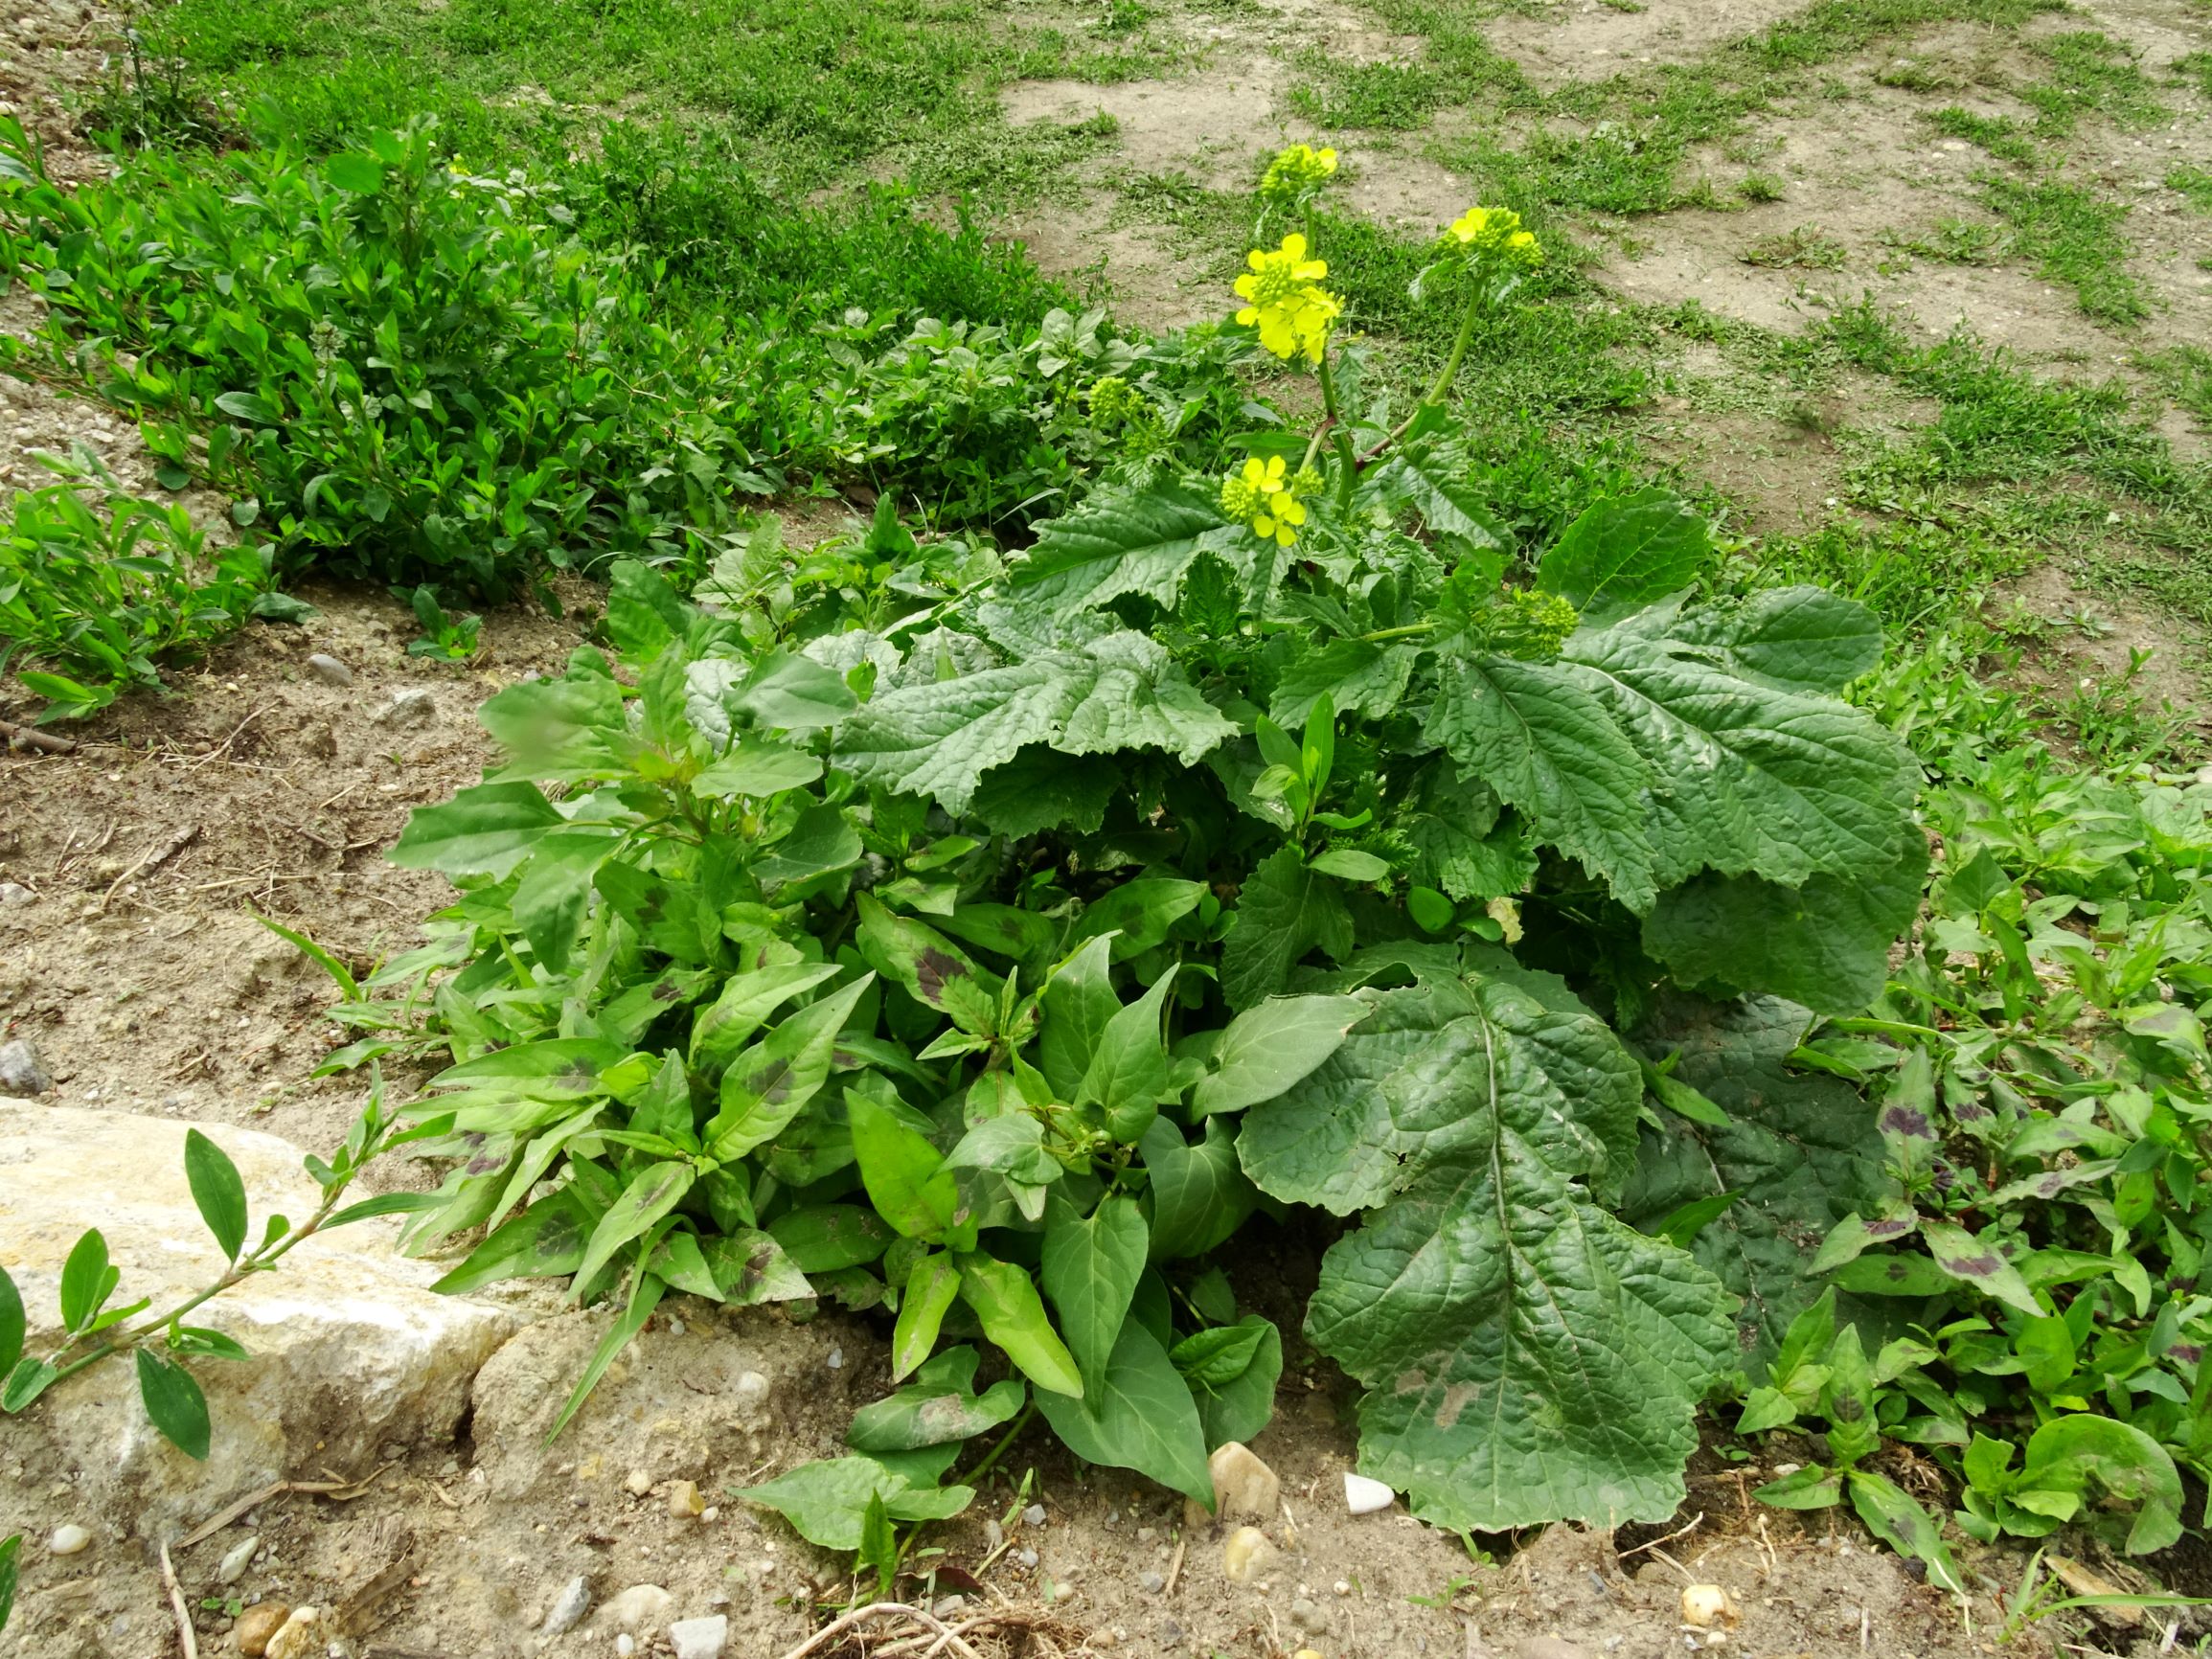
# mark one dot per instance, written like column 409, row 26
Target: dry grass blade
column 846, row 1623
column 176, row 1603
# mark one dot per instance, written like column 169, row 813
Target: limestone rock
column 640, row 1607
column 1242, row 1483
column 1249, row 1556
column 352, row 1351
column 301, row 1638
column 701, row 1638
column 1367, row 1496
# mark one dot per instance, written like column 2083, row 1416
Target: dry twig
column 176, row 1605
column 1176, row 1566
column 345, row 1491
column 153, row 860
column 1694, row 1521
column 860, row 1616
column 31, row 738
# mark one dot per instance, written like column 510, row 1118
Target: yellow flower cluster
column 1297, row 172
column 1282, row 297
column 1265, row 495
column 1498, row 231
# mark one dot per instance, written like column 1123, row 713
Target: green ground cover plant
column 985, row 938
column 99, row 590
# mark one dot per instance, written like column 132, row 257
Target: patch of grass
column 1957, row 242
column 812, row 89
column 2195, row 70
column 1915, row 575
column 2193, row 182
column 1808, row 246
column 1387, row 96
column 2000, row 135
column 2091, row 71
column 2073, row 236
column 1759, row 187
column 2184, row 373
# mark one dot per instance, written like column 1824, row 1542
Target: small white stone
column 68, row 1540
column 1034, row 1515
column 235, row 1563
column 699, row 1637
column 625, row 1645
column 837, row 1361
column 1364, row 1496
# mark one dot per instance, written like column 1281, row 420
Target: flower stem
column 1410, row 631
column 1459, row 347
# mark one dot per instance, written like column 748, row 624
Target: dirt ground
column 133, row 960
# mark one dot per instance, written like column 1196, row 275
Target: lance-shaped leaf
column 1528, row 1357
column 1090, row 1269
column 651, row 1194
column 1121, row 691
column 766, row 1086
column 939, row 1405
column 1267, row 1049
column 1139, row 1416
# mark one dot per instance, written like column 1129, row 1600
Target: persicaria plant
column 985, row 940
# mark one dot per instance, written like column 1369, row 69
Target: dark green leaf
column 1285, row 910
column 219, row 1192
column 486, row 829
column 1626, row 551
column 174, row 1402
column 1091, row 1270
column 1267, row 1048
column 1140, row 1416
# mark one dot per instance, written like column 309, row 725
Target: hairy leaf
column 1528, row 1357
column 1123, row 542
column 1285, row 910
column 1626, row 550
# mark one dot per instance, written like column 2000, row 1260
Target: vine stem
column 261, row 1261
column 991, row 1456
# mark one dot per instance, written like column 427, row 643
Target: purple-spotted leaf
column 1971, row 1262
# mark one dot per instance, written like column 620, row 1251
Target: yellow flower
column 1265, row 495
column 1495, row 231
column 1298, row 171
column 1294, row 316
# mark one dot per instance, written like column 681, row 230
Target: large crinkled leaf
column 1122, row 542
column 1357, row 678
column 1800, row 1147
column 1799, row 639
column 1628, row 550
column 1434, row 479
column 1825, row 944
column 1742, row 775
column 1119, row 691
column 1538, row 734
column 1528, row 1357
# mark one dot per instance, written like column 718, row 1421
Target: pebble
column 1308, row 1615
column 624, row 1645
column 258, row 1623
column 699, row 1637
column 21, row 1072
column 235, row 1563
column 684, row 1501
column 569, row 1606
column 1152, row 1583
column 1364, row 1496
column 298, row 1638
column 1242, row 1483
column 1248, row 1554
column 329, row 670
column 639, row 1483
column 15, row 893
column 640, row 1607
column 751, row 1394
column 1034, row 1515
column 409, row 708
column 1027, row 1557
column 1708, row 1605
column 837, row 1360
column 68, row 1539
